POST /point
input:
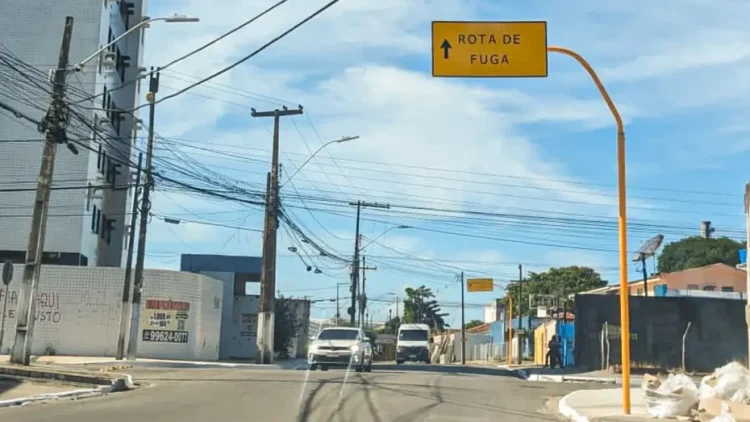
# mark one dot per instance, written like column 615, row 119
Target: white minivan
column 413, row 343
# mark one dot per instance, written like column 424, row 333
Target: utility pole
column 125, row 310
column 355, row 271
column 363, row 296
column 463, row 323
column 338, row 310
column 520, row 315
column 645, row 275
column 54, row 121
column 268, row 271
column 135, row 313
column 355, row 261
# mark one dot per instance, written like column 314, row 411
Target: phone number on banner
column 165, row 336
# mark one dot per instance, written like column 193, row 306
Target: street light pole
column 336, row 141
column 172, row 19
column 622, row 222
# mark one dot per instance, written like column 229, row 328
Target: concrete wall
column 717, row 335
column 240, row 336
column 227, row 281
column 78, row 313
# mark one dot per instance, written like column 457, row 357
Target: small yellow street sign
column 489, row 49
column 479, row 284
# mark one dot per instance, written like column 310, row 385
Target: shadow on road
column 446, row 369
column 7, row 384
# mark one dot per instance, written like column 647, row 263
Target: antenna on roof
column 647, row 249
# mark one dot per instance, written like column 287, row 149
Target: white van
column 413, row 343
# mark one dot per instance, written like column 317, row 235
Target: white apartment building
column 86, row 226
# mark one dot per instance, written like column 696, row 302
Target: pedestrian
column 554, row 355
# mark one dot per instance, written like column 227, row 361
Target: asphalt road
column 389, row 394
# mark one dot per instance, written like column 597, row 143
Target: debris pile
column 723, row 396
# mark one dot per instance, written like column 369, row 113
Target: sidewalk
column 602, row 405
column 99, row 361
column 23, row 384
column 11, row 388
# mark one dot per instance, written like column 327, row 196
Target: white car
column 340, row 346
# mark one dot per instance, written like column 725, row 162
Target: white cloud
column 362, row 68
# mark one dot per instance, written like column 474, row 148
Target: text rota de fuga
column 489, row 39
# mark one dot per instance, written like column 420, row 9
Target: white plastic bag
column 672, row 398
column 730, row 382
column 725, row 416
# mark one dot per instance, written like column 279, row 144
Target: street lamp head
column 292, row 249
column 181, row 18
column 346, row 139
column 404, row 227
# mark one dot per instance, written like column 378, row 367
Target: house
column 715, row 278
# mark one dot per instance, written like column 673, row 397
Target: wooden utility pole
column 55, row 134
column 135, row 313
column 363, row 296
column 463, row 323
column 125, row 310
column 268, row 270
column 355, row 262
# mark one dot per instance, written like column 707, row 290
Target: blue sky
column 530, row 147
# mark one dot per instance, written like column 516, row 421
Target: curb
column 564, row 408
column 109, row 384
column 569, row 378
column 185, row 364
column 73, row 394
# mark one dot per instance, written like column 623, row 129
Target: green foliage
column 555, row 281
column 391, row 326
column 473, row 323
column 693, row 252
column 420, row 307
column 285, row 326
column 343, row 323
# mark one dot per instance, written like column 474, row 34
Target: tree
column 285, row 326
column 559, row 282
column 391, row 326
column 420, row 307
column 696, row 251
column 473, row 323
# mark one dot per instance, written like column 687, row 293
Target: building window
column 639, row 292
column 692, row 287
column 727, row 288
column 96, row 216
column 126, row 11
column 709, row 288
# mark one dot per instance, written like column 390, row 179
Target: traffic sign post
column 479, row 284
column 519, row 49
column 7, row 272
column 489, row 49
column 7, row 278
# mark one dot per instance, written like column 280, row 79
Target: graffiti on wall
column 165, row 321
column 47, row 306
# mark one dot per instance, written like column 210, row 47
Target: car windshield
column 338, row 335
column 413, row 335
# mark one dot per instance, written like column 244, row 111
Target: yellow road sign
column 489, row 49
column 479, row 284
